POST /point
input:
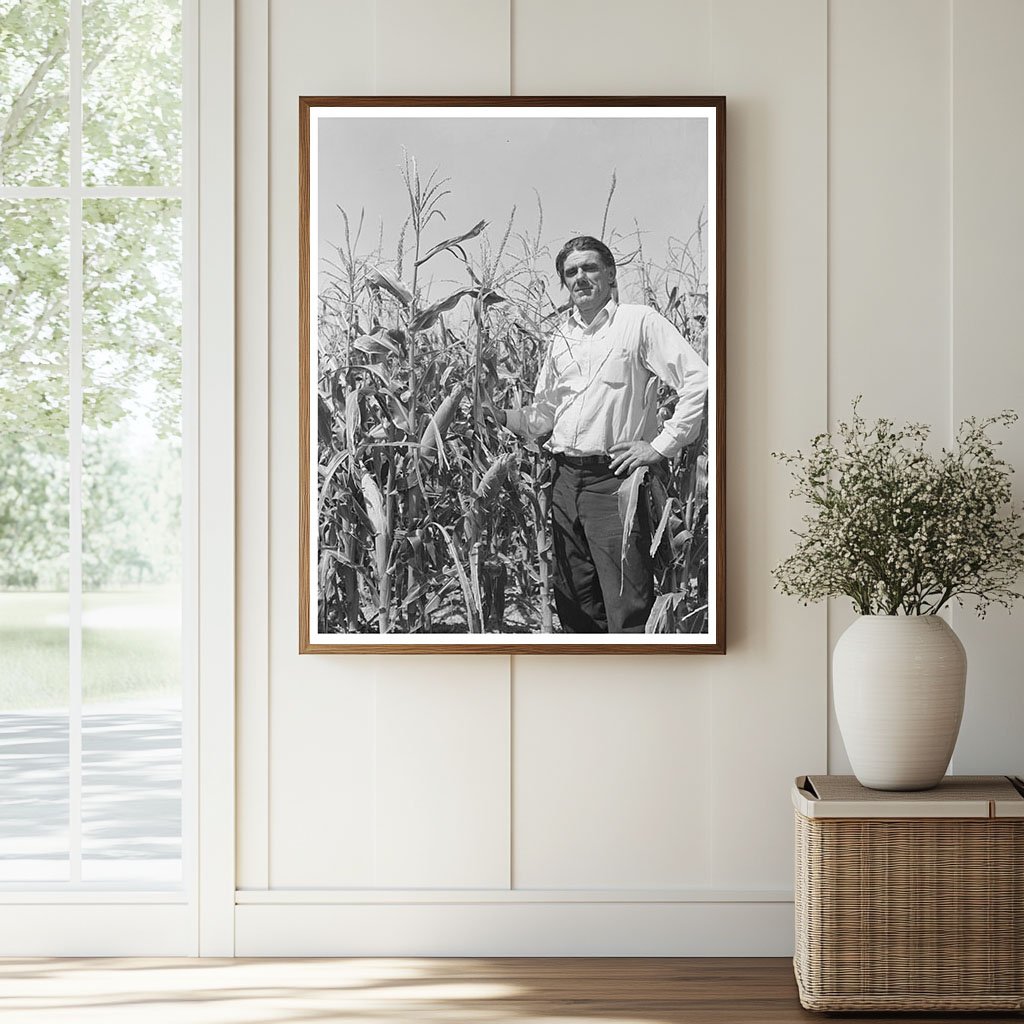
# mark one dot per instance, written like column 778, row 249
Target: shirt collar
column 605, row 314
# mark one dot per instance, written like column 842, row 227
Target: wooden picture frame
column 425, row 525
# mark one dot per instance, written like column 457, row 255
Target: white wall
column 625, row 805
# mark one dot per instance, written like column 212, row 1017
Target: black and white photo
column 511, row 375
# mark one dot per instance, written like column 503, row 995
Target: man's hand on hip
column 630, row 455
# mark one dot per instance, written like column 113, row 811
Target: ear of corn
column 353, row 420
column 374, row 504
column 377, row 514
column 490, row 483
column 433, row 435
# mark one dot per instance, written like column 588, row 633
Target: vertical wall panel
column 442, row 48
column 442, row 771
column 612, row 779
column 889, row 250
column 576, row 47
column 323, row 776
column 987, row 365
column 889, row 209
column 769, row 691
column 321, row 708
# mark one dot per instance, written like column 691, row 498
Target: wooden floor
column 382, row 991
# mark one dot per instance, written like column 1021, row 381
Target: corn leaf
column 426, row 318
column 375, row 345
column 467, row 595
column 629, row 497
column 377, row 278
column 448, row 243
column 666, row 514
column 474, row 570
column 324, row 421
column 679, row 539
column 332, row 468
column 662, row 617
column 374, row 371
column 399, row 413
column 702, row 477
column 333, row 554
column 417, row 591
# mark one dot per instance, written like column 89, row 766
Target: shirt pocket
column 616, row 369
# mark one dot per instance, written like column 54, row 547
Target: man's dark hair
column 583, row 243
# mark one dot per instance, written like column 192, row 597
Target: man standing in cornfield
column 597, row 397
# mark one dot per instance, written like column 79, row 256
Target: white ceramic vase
column 898, row 684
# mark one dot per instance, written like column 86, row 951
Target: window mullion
column 75, row 334
column 95, row 191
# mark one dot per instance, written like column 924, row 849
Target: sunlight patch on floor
column 218, row 991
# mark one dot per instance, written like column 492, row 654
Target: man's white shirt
column 598, row 384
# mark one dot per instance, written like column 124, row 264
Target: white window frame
column 51, row 919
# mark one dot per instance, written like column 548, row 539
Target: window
column 95, row 457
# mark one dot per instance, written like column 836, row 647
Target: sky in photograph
column 496, row 163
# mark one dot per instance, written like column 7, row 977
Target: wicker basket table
column 910, row 901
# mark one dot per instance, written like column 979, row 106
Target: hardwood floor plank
column 416, row 990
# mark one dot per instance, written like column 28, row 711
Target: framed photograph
column 512, row 375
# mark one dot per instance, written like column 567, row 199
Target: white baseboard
column 604, row 928
column 97, row 929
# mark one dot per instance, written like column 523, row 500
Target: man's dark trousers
column 596, row 590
